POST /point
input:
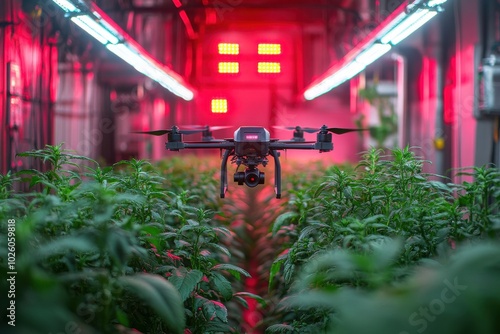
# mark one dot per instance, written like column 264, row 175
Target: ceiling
column 341, row 23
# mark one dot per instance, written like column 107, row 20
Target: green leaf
column 122, row 317
column 242, row 301
column 310, row 229
column 222, row 285
column 282, row 220
column 185, row 281
column 275, row 268
column 258, row 298
column 65, row 244
column 226, row 232
column 288, row 271
column 234, row 270
column 213, row 309
column 280, row 328
column 119, row 246
column 220, row 248
column 160, row 295
column 218, row 327
column 386, row 253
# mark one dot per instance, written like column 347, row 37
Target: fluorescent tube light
column 131, row 57
column 79, row 22
column 372, row 53
column 423, row 20
column 434, row 3
column 350, row 70
column 400, row 24
column 99, row 29
column 339, row 77
column 97, row 24
column 406, row 24
column 146, row 67
column 67, row 6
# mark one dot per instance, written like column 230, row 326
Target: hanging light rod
column 400, row 24
column 96, row 23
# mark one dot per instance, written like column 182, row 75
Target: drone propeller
column 337, row 131
column 297, row 128
column 341, row 131
column 164, row 132
column 201, row 128
column 206, row 131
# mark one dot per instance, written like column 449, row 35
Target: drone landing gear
column 277, row 173
column 223, row 172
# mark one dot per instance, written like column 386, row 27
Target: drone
column 250, row 147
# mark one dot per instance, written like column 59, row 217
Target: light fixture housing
column 90, row 18
column 401, row 23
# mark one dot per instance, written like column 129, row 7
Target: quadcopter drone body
column 251, row 147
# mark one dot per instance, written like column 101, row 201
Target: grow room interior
column 249, row 166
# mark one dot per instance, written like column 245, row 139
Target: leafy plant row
column 121, row 249
column 371, row 250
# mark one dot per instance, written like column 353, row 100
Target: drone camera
column 251, row 177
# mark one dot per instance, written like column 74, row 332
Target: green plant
column 116, row 248
column 453, row 294
column 385, row 197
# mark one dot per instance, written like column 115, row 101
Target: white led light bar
column 407, row 25
column 342, row 75
column 93, row 21
column 372, row 53
column 414, row 27
column 434, row 3
column 95, row 29
column 67, row 6
column 398, row 26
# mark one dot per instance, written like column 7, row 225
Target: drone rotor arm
column 204, row 144
column 292, row 145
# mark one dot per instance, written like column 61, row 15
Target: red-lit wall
column 267, row 99
column 253, row 98
column 26, row 102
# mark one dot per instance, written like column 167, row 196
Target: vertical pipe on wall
column 401, row 110
column 3, row 80
column 439, row 156
column 7, row 131
column 457, row 131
